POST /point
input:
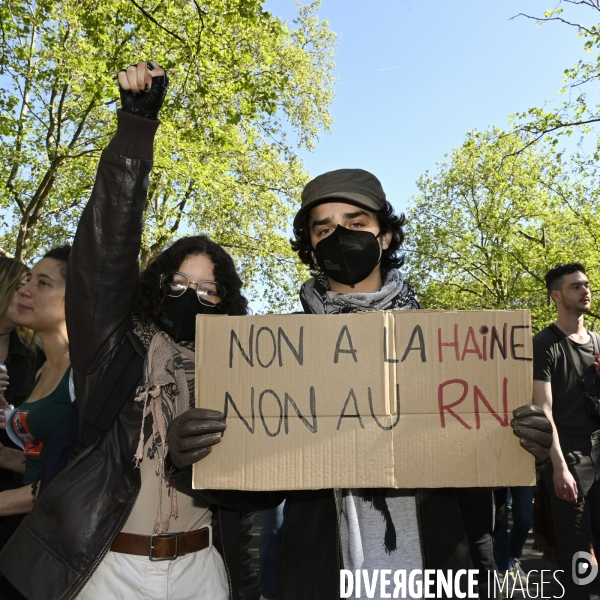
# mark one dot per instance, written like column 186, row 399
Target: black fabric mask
column 348, row 256
column 178, row 315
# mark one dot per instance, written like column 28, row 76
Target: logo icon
column 584, row 568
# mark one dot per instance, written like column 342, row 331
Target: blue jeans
column 270, row 549
column 509, row 545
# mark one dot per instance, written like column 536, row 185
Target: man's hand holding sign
column 534, row 429
column 193, row 434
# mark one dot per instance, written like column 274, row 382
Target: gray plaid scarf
column 395, row 294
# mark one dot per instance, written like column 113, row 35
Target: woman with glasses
column 112, row 524
column 194, row 276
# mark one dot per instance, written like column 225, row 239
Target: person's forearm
column 12, row 459
column 556, row 456
column 542, row 397
column 16, row 502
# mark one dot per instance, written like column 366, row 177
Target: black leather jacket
column 75, row 520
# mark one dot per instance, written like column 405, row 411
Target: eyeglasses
column 178, row 283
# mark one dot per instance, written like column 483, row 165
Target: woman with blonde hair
column 13, row 274
column 21, row 354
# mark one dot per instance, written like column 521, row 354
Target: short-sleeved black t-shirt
column 568, row 400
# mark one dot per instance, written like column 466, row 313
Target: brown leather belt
column 164, row 546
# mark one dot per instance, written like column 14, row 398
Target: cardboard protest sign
column 404, row 399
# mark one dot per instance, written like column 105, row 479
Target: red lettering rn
column 478, row 398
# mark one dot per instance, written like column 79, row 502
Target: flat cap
column 352, row 185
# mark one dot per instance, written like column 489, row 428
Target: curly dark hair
column 149, row 294
column 389, row 222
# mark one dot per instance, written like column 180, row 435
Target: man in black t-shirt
column 565, row 367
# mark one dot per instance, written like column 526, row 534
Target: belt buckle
column 164, row 535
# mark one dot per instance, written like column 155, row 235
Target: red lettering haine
column 475, row 349
column 454, row 344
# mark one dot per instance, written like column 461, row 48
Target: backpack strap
column 595, row 341
column 569, row 352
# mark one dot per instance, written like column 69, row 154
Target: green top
column 35, row 422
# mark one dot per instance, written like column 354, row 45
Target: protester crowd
column 99, row 429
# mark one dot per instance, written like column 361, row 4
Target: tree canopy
column 246, row 90
column 576, row 113
column 491, row 221
column 505, row 207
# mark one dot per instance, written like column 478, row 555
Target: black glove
column 192, row 435
column 146, row 103
column 531, row 424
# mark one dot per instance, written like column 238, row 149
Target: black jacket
column 75, row 520
column 311, row 553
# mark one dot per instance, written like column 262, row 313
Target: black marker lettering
column 298, row 354
column 386, row 428
column 229, row 400
column 339, row 350
column 514, row 345
column 496, row 339
column 289, row 400
column 345, row 416
column 234, row 338
column 274, row 343
column 385, row 352
column 416, row 331
column 262, row 417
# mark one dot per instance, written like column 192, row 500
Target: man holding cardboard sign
column 348, row 233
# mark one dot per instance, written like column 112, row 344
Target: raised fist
column 143, row 88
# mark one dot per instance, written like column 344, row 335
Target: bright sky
column 416, row 75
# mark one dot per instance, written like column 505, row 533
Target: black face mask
column 178, row 315
column 348, row 256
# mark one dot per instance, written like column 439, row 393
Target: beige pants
column 196, row 576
